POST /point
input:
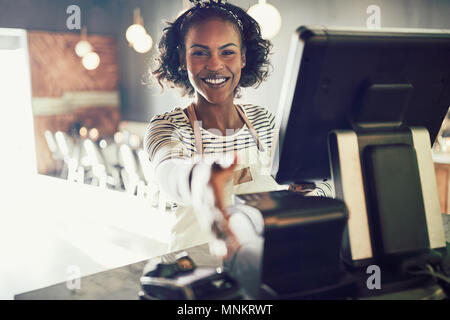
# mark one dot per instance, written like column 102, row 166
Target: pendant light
column 89, row 59
column 268, row 18
column 83, row 46
column 143, row 44
column 137, row 36
column 136, row 29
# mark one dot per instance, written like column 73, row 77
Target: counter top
column 123, row 283
column 116, row 284
column 51, row 228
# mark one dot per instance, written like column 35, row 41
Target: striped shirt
column 170, row 135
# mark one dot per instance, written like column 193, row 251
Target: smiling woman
column 209, row 52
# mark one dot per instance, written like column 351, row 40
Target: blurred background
column 77, row 188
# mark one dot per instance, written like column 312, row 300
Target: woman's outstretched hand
column 220, row 178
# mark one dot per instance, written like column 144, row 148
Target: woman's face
column 214, row 59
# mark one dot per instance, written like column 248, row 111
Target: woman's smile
column 216, row 82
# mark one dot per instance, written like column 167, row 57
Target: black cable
column 438, row 276
column 429, row 270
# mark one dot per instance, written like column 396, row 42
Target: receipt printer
column 302, row 242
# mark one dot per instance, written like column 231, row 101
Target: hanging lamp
column 268, row 17
column 137, row 36
column 83, row 46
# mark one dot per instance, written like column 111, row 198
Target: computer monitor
column 358, row 79
column 363, row 107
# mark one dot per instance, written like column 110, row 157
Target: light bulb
column 83, row 132
column 91, row 61
column 118, row 137
column 93, row 134
column 134, row 141
column 103, row 144
column 134, row 32
column 268, row 18
column 82, row 47
column 143, row 43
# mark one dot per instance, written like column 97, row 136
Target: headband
column 219, row 4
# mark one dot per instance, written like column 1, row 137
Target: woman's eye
column 198, row 53
column 228, row 52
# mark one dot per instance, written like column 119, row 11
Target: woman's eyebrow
column 206, row 47
column 226, row 45
column 199, row 45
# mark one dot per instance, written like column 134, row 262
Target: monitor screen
column 358, row 79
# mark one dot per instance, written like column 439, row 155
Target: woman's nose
column 214, row 63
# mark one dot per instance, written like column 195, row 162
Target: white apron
column 252, row 175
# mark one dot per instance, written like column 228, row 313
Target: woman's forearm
column 172, row 176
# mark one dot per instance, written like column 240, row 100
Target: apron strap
column 198, row 136
column 253, row 132
column 195, row 126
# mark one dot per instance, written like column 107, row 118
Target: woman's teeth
column 215, row 81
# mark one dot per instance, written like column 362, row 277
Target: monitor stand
column 387, row 180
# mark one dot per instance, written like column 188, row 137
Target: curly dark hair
column 256, row 48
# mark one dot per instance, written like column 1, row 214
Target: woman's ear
column 244, row 60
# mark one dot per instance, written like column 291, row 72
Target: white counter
column 51, row 229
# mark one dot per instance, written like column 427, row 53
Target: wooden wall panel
column 55, row 68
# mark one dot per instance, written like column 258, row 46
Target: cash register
column 360, row 108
